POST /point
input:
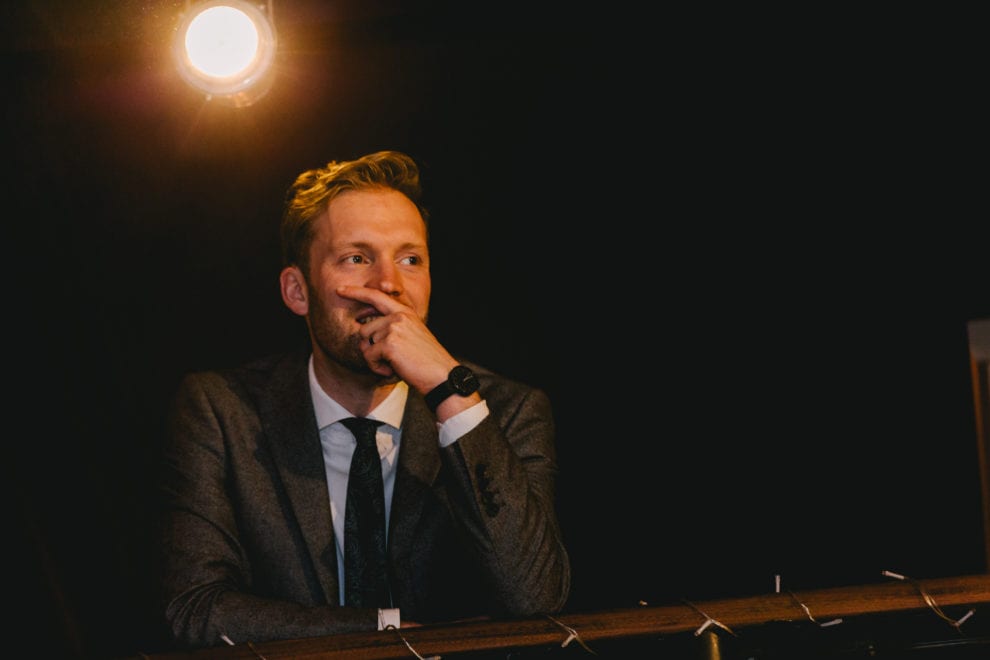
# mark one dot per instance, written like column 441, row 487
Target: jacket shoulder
column 505, row 393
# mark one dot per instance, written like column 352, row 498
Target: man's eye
column 412, row 260
column 355, row 259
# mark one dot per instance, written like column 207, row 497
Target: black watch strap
column 460, row 381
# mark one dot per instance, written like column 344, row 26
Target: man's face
column 375, row 239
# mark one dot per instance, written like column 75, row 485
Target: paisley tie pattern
column 365, row 562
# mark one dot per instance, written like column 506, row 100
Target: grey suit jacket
column 247, row 542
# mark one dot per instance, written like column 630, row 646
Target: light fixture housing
column 226, row 49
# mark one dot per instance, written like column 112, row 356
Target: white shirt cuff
column 461, row 423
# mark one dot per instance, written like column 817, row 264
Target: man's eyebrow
column 368, row 246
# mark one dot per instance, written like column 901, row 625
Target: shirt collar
column 329, row 411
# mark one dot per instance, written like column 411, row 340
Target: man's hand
column 398, row 342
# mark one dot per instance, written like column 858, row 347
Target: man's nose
column 387, row 278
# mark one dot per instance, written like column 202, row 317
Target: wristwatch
column 460, row 381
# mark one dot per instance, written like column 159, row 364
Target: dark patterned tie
column 365, row 569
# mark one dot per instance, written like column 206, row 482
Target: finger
column 380, row 300
column 378, row 362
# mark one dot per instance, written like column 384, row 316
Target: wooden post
column 979, row 359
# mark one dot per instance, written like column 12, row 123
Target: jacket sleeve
column 210, row 589
column 503, row 496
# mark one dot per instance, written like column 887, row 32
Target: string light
column 955, row 623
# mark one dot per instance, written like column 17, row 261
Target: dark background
column 755, row 240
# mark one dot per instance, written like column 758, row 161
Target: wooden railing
column 733, row 614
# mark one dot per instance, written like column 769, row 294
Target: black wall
column 754, row 239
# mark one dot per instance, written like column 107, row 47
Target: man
column 257, row 458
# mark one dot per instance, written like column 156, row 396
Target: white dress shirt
column 339, row 443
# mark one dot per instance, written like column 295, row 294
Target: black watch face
column 463, row 380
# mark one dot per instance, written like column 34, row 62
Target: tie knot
column 362, row 427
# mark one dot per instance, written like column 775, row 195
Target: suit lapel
column 418, row 467
column 287, row 416
column 289, row 422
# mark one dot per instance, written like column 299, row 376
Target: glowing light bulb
column 226, row 48
column 221, row 41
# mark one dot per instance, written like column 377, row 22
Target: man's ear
column 295, row 294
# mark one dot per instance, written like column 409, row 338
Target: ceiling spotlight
column 226, row 49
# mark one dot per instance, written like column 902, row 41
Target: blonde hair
column 314, row 189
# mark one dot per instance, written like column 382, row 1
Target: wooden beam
column 822, row 605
